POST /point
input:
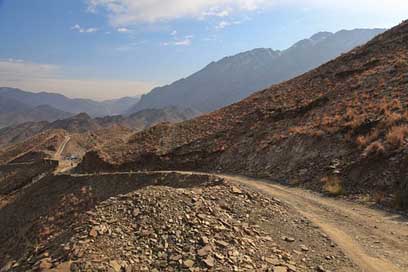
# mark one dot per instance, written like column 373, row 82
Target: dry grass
column 332, row 185
column 375, row 148
column 364, row 141
column 378, row 197
column 396, row 136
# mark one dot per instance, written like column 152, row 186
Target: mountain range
column 19, row 106
column 233, row 78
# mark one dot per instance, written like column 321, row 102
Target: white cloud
column 80, row 29
column 173, row 33
column 46, row 77
column 122, row 29
column 128, row 12
column 185, row 41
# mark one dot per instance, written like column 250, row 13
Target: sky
column 105, row 49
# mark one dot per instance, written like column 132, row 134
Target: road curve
column 376, row 241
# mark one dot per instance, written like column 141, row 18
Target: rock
column 209, row 261
column 204, row 240
column 304, row 248
column 288, row 239
column 63, row 267
column 188, row 263
column 93, row 232
column 136, row 212
column 272, row 260
column 236, row 190
column 280, row 269
column 221, row 243
column 320, row 269
column 204, row 251
column 45, row 264
column 115, row 266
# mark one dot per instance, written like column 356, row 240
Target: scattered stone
column 204, row 251
column 304, row 248
column 280, row 269
column 188, row 263
column 115, row 266
column 288, row 239
column 209, row 261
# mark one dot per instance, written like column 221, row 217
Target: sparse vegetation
column 396, row 136
column 333, row 185
column 375, row 148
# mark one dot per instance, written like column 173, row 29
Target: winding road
column 375, row 240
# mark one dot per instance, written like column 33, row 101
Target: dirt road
column 375, row 240
column 63, row 165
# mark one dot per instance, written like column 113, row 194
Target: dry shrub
column 391, row 117
column 364, row 141
column 361, row 141
column 332, row 185
column 355, row 120
column 298, row 130
column 396, row 135
column 378, row 197
column 374, row 148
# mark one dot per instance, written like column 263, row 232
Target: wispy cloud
column 47, row 77
column 122, row 29
column 185, row 41
column 80, row 29
column 128, row 12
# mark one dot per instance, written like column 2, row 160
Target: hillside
column 14, row 112
column 85, row 132
column 63, row 103
column 341, row 128
column 233, row 78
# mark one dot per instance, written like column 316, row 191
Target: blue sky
column 111, row 48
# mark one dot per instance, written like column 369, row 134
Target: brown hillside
column 346, row 118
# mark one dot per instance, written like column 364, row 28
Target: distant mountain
column 121, row 105
column 82, row 123
column 234, row 78
column 63, row 103
column 13, row 112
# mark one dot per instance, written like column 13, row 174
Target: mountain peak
column 235, row 77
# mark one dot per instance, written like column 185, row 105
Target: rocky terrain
column 340, row 128
column 86, row 128
column 158, row 222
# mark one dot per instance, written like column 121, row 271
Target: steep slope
column 234, row 78
column 341, row 128
column 66, row 104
